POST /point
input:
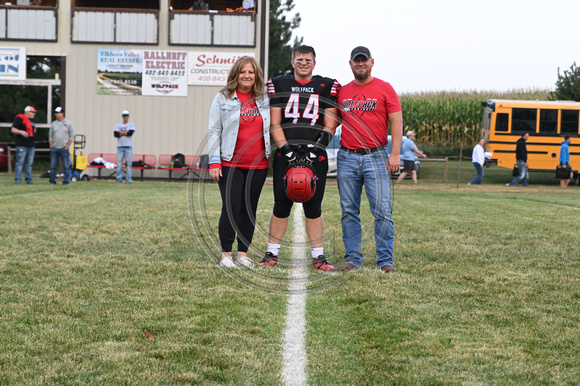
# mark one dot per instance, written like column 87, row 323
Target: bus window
column 502, row 122
column 524, row 120
column 548, row 121
column 569, row 123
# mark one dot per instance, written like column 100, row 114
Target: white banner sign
column 211, row 68
column 165, row 73
column 119, row 72
column 13, row 63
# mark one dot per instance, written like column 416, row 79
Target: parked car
column 3, row 156
column 334, row 146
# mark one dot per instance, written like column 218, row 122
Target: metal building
column 84, row 32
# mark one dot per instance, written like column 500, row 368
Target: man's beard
column 362, row 75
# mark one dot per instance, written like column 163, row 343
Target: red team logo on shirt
column 249, row 111
column 359, row 104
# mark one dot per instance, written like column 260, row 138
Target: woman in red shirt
column 239, row 148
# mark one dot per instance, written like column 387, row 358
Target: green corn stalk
column 448, row 117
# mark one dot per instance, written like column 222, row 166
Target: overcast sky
column 429, row 45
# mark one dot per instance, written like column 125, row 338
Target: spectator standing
column 239, row 148
column 124, row 133
column 199, row 5
column 565, row 159
column 24, row 130
column 368, row 105
column 304, row 119
column 521, row 161
column 248, row 5
column 478, row 159
column 60, row 137
column 409, row 152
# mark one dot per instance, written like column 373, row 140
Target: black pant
column 282, row 204
column 240, row 190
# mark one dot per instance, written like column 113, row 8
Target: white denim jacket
column 224, row 124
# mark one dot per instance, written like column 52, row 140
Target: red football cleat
column 321, row 263
column 269, row 260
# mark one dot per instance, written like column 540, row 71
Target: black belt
column 363, row 151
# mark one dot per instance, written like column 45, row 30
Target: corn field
column 447, row 118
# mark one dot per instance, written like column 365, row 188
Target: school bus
column 505, row 121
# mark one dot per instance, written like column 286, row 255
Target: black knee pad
column 282, row 208
column 312, row 209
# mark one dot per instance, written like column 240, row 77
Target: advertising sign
column 119, row 72
column 13, row 63
column 165, row 73
column 211, row 68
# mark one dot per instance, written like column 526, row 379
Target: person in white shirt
column 478, row 159
column 124, row 134
column 248, row 4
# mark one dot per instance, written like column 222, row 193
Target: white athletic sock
column 274, row 248
column 317, row 252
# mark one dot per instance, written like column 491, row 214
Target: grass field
column 107, row 283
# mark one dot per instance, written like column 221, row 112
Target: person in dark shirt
column 521, row 161
column 199, row 5
column 303, row 120
column 24, row 130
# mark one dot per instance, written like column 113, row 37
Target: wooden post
column 9, row 160
column 459, row 169
column 445, row 172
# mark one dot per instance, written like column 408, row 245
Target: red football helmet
column 300, row 183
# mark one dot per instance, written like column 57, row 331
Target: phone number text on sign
column 209, row 76
column 218, row 79
column 164, row 73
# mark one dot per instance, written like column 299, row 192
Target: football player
column 303, row 120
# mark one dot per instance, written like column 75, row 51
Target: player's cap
column 410, row 133
column 360, row 50
column 59, row 110
column 125, row 112
column 29, row 108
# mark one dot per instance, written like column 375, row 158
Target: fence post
column 445, row 172
column 459, row 169
column 9, row 160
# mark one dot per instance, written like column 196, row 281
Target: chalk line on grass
column 294, row 352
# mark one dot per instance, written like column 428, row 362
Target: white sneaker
column 245, row 261
column 227, row 262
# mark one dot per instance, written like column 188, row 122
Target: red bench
column 147, row 160
column 197, row 165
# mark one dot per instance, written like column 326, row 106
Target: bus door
column 488, row 109
column 486, row 123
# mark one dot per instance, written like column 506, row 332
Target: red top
column 365, row 113
column 250, row 151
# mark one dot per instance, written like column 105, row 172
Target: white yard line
column 294, row 354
